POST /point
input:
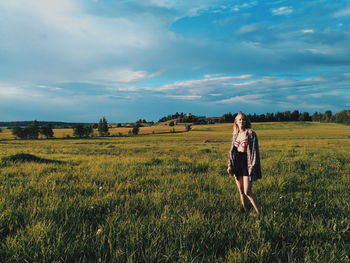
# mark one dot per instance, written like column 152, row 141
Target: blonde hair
column 247, row 123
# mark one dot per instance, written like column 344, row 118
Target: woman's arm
column 230, row 160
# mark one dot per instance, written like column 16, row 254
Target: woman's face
column 240, row 121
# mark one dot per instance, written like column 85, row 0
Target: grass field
column 167, row 198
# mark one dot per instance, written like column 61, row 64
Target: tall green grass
column 167, row 198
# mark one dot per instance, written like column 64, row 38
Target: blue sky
column 71, row 60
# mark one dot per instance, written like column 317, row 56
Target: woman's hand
column 229, row 170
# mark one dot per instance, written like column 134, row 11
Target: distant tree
column 0, row 130
column 171, row 123
column 103, row 127
column 287, row 115
column 136, row 129
column 251, row 117
column 89, row 131
column 32, row 132
column 95, row 126
column 228, row 117
column 269, row 117
column 82, row 131
column 295, row 115
column 304, row 117
column 188, row 127
column 279, row 116
column 211, row 121
column 119, row 125
column 79, row 131
column 47, row 131
column 342, row 117
column 18, row 132
column 141, row 121
column 327, row 116
column 316, row 116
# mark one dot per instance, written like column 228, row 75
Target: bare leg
column 248, row 193
column 240, row 187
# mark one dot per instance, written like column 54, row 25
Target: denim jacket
column 253, row 156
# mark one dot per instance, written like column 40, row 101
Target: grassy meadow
column 167, row 197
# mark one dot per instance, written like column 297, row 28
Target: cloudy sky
column 79, row 60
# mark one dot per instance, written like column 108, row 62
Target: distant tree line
column 79, row 130
column 340, row 117
column 33, row 131
column 186, row 118
column 36, row 128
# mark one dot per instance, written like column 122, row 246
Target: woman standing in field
column 244, row 159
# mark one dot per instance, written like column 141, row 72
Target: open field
column 122, row 131
column 167, row 198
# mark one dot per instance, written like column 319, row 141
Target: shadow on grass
column 26, row 157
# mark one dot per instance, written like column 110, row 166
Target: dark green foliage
column 188, row 127
column 316, row 116
column 171, row 123
column 103, row 127
column 30, row 132
column 33, row 130
column 342, row 117
column 228, row 117
column 305, row 116
column 135, row 130
column 327, row 116
column 47, row 130
column 82, row 131
column 294, row 116
column 18, row 132
column 141, row 121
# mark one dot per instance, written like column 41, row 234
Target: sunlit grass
column 167, row 198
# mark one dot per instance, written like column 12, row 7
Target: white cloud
column 183, row 97
column 284, row 10
column 118, row 75
column 323, row 50
column 203, row 83
column 126, row 89
column 8, row 91
column 249, row 99
column 316, row 95
column 162, row 3
column 211, row 75
column 247, row 28
column 314, row 79
column 239, row 7
column 63, row 42
column 307, row 31
column 248, row 83
column 344, row 12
